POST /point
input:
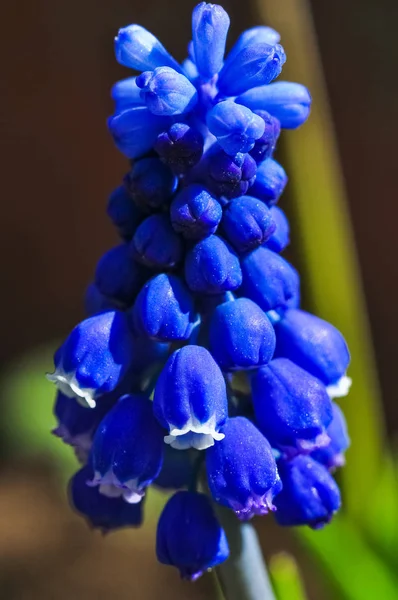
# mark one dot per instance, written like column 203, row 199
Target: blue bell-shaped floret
column 166, row 92
column 189, row 535
column 229, row 176
column 236, row 127
column 310, row 495
column 126, row 93
column 95, row 302
column 241, row 470
column 246, row 223
column 332, row 455
column 292, row 408
column 265, row 145
column 241, row 336
column 118, row 276
column 254, row 35
column 137, row 48
column 124, row 212
column 195, row 213
column 180, row 147
column 271, row 180
column 210, row 24
column 134, row 130
column 150, row 184
column 190, row 399
column 281, row 236
column 156, row 245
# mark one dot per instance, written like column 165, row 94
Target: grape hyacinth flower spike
column 195, row 296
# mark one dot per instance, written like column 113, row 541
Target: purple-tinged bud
column 246, row 223
column 210, row 24
column 332, row 455
column 289, row 102
column 254, row 35
column 241, row 336
column 137, row 48
column 281, row 236
column 309, row 496
column 212, row 267
column 292, row 407
column 166, row 92
column 269, row 280
column 156, row 245
column 150, row 183
column 118, row 277
column 189, row 536
column 164, row 309
column 255, row 65
column 195, row 213
column 124, row 213
column 127, row 450
column 229, row 176
column 264, row 147
column 241, row 470
column 270, row 182
column 190, row 399
column 236, row 130
column 180, row 147
column 125, row 94
column 135, row 130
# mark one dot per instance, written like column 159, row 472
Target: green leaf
column 286, row 578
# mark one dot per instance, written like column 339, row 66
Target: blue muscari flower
column 236, row 127
column 150, row 183
column 332, row 455
column 124, row 212
column 255, row 65
column 137, row 48
column 134, row 130
column 269, row 280
column 164, row 309
column 241, row 336
column 189, row 535
column 241, row 470
column 255, row 35
column 195, row 213
column 156, row 245
column 313, row 344
column 212, row 267
column 210, row 24
column 264, row 146
column 127, row 450
column 117, row 276
column 270, row 182
column 281, row 236
column 177, row 470
column 289, row 102
column 101, row 512
column 166, row 92
column 94, row 358
column 180, row 147
column 229, row 176
column 292, row 408
column 190, row 399
column 247, row 223
column 126, row 93
column 95, row 302
column 309, row 496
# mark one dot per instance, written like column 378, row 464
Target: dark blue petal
column 255, row 35
column 241, row 336
column 127, row 450
column 269, row 280
column 247, row 223
column 150, row 183
column 74, row 419
column 137, row 48
column 190, row 398
column 118, row 277
column 166, row 92
column 313, row 344
column 189, row 536
column 124, row 213
column 332, row 455
column 164, row 309
column 265, row 145
column 95, row 302
column 177, row 470
column 256, row 64
column 309, row 496
column 292, row 407
column 270, row 182
column 125, row 94
column 156, row 245
column 211, row 267
column 289, row 102
column 224, row 175
column 241, row 470
column 135, row 130
column 210, row 24
column 100, row 511
column 195, row 213
column 180, row 147
column 281, row 236
column 236, row 127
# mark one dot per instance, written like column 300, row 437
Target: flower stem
column 244, row 575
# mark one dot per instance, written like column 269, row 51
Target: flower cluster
column 196, row 304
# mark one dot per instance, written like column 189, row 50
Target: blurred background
column 59, row 166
